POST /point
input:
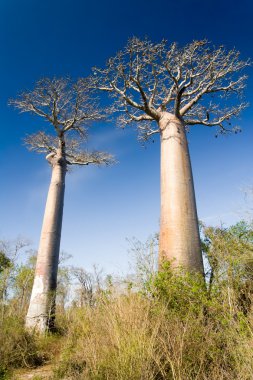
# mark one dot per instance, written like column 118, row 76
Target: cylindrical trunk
column 179, row 232
column 42, row 303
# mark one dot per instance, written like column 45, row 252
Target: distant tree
column 229, row 252
column 89, row 285
column 23, row 277
column 5, row 268
column 63, row 281
column 5, row 262
column 144, row 259
column 85, row 288
column 164, row 90
column 68, row 108
column 10, row 252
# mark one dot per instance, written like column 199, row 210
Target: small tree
column 68, row 108
column 22, row 283
column 5, row 269
column 85, row 288
column 5, row 262
column 229, row 252
column 10, row 252
column 164, row 90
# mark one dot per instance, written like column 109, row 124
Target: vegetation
column 166, row 325
column 164, row 89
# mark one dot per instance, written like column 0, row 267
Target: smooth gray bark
column 42, row 304
column 179, row 231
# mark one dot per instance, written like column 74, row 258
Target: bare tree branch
column 69, row 107
column 145, row 79
column 66, row 105
column 217, row 117
column 87, row 158
column 75, row 155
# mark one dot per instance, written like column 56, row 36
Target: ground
column 41, row 373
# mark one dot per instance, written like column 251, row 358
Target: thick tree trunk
column 179, row 232
column 42, row 303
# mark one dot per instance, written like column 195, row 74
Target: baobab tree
column 163, row 90
column 68, row 108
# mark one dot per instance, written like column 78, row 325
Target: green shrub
column 22, row 349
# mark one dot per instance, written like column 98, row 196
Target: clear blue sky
column 105, row 206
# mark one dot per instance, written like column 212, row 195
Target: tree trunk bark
column 179, row 232
column 42, row 303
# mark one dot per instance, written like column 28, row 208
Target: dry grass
column 174, row 332
column 138, row 337
column 165, row 326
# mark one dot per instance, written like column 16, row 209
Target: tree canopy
column 199, row 83
column 69, row 107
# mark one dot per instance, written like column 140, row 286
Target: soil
column 40, row 373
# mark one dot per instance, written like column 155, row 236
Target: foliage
column 20, row 348
column 5, row 262
column 130, row 336
column 176, row 326
column 169, row 325
column 229, row 252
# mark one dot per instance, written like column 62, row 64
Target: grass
column 169, row 325
column 177, row 334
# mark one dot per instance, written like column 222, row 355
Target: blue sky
column 104, row 206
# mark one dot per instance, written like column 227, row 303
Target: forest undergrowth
column 169, row 325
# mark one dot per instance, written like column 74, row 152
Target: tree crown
column 69, row 107
column 145, row 79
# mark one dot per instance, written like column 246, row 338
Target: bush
column 20, row 348
column 171, row 325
